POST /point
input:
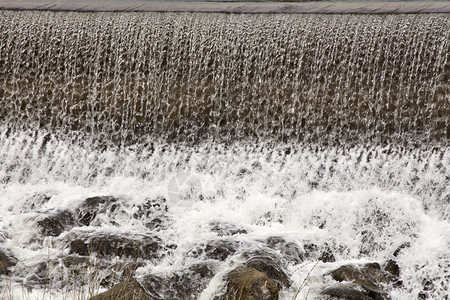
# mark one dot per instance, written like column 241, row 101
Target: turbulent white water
column 362, row 203
column 297, row 135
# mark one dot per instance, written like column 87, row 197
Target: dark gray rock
column 7, row 260
column 392, row 267
column 370, row 277
column 56, row 224
column 322, row 253
column 400, row 249
column 343, row 292
column 289, row 251
column 111, row 246
column 91, row 207
column 70, row 261
column 185, row 284
column 79, row 247
column 120, row 246
column 226, row 229
column 217, row 250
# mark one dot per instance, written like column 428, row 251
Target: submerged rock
column 217, row 250
column 226, row 229
column 79, row 247
column 369, row 277
column 245, row 283
column 57, row 223
column 343, row 292
column 127, row 289
column 91, row 207
column 323, row 253
column 288, row 251
column 7, row 261
column 70, row 261
column 392, row 267
column 35, row 202
column 184, row 284
column 111, row 246
column 269, row 267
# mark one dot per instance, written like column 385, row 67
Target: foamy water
column 361, row 203
column 217, row 139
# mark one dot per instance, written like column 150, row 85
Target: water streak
column 188, row 77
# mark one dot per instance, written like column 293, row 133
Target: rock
column 56, row 224
column 146, row 247
column 157, row 224
column 74, row 261
column 127, row 289
column 246, row 283
column 217, row 250
column 226, row 229
column 368, row 277
column 343, row 292
column 392, row 267
column 185, row 284
column 79, row 247
column 323, row 253
column 400, row 248
column 6, row 262
column 89, row 209
column 120, row 246
column 289, row 251
column 269, row 267
column 327, row 256
column 38, row 274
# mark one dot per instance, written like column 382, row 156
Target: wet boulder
column 184, row 284
column 226, row 229
column 70, row 261
column 79, row 247
column 127, row 289
column 157, row 223
column 110, row 246
column 369, row 277
column 322, row 253
column 392, row 267
column 245, row 283
column 288, row 250
column 268, row 266
column 217, row 250
column 57, row 223
column 7, row 261
column 343, row 292
column 91, row 207
column 37, row 274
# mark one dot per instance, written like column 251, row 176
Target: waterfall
column 181, row 146
column 128, row 77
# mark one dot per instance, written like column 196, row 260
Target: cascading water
column 188, row 144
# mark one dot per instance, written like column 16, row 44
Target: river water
column 330, row 130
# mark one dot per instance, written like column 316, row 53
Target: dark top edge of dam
column 231, row 7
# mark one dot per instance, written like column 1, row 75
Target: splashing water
column 314, row 129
